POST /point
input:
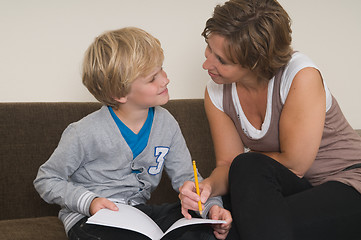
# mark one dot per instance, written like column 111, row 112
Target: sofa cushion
column 42, row 228
column 32, row 131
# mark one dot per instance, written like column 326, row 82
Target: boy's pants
column 164, row 215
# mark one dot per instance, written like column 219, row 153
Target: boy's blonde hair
column 115, row 59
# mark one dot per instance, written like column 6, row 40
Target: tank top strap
column 270, row 141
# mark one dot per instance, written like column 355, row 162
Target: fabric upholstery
column 43, row 228
column 29, row 133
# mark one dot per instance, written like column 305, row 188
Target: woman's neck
column 252, row 84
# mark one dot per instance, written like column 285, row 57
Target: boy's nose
column 165, row 78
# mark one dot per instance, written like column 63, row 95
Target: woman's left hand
column 218, row 213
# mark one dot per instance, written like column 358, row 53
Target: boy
column 119, row 151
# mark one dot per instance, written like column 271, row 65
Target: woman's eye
column 221, row 60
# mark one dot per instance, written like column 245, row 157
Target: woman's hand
column 218, row 213
column 189, row 198
column 100, row 203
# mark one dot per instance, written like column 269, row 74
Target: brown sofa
column 29, row 133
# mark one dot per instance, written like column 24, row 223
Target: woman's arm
column 301, row 122
column 227, row 145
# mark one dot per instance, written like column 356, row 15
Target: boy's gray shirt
column 94, row 160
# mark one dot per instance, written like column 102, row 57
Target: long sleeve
column 179, row 168
column 52, row 181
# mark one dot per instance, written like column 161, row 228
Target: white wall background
column 42, row 43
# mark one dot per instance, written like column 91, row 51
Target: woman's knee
column 250, row 166
column 245, row 162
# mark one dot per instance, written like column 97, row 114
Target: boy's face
column 151, row 90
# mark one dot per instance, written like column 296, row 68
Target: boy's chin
column 164, row 101
column 160, row 101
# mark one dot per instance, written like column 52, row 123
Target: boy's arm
column 179, row 167
column 52, row 181
column 209, row 204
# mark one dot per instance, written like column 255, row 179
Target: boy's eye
column 153, row 78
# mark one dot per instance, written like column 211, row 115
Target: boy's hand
column 218, row 213
column 100, row 203
column 189, row 198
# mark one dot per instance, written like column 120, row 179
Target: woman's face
column 219, row 67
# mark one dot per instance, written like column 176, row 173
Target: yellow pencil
column 197, row 186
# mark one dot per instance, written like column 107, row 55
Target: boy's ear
column 122, row 99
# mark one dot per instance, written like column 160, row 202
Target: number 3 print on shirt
column 160, row 153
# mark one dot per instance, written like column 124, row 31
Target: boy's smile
column 165, row 91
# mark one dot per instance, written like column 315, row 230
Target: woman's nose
column 204, row 66
column 207, row 64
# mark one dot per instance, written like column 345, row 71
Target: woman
column 286, row 156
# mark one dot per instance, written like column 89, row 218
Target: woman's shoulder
column 298, row 62
column 215, row 92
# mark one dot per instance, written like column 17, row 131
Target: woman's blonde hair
column 257, row 34
column 115, row 59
